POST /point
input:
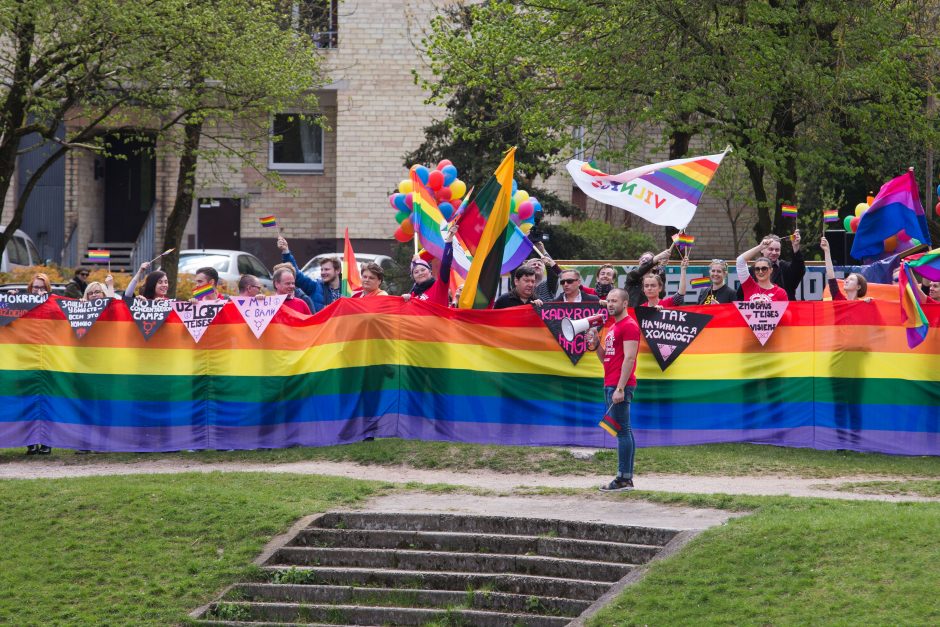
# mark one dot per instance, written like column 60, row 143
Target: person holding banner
column 760, row 286
column 372, row 276
column 39, row 285
column 786, row 274
column 855, row 284
column 427, row 287
column 618, row 353
column 653, row 287
column 718, row 291
column 648, row 263
column 322, row 291
column 523, row 291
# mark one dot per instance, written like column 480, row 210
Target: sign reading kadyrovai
column 149, row 315
column 553, row 313
column 196, row 316
column 258, row 311
column 14, row 306
column 668, row 332
column 762, row 316
column 82, row 314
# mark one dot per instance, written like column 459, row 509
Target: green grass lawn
column 714, row 459
column 143, row 550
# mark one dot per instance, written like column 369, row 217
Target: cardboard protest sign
column 553, row 313
column 149, row 315
column 762, row 316
column 14, row 306
column 81, row 314
column 258, row 311
column 668, row 332
column 197, row 317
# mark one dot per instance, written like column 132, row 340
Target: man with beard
column 524, row 291
column 606, row 278
column 322, row 291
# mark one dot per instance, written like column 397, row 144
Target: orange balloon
column 891, row 243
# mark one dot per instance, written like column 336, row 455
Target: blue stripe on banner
column 901, row 418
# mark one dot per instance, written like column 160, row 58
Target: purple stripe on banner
column 888, row 442
column 674, row 187
column 420, row 428
column 798, row 437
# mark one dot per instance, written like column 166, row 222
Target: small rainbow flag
column 99, row 255
column 701, row 282
column 830, row 215
column 201, row 292
column 685, row 240
column 609, row 425
column 788, row 211
column 268, row 221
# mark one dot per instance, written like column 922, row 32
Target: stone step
column 502, row 525
column 443, row 580
column 399, row 597
column 360, row 615
column 476, row 543
column 442, row 560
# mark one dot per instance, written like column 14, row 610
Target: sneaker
column 44, row 450
column 619, row 484
column 32, row 449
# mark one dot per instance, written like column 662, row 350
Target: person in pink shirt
column 760, row 287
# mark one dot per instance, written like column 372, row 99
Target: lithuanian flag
column 479, row 289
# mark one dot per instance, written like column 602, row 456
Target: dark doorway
column 130, row 174
column 219, row 223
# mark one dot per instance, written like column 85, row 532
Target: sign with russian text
column 762, row 316
column 668, row 332
column 258, row 311
column 82, row 314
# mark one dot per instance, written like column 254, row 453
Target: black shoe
column 32, row 449
column 44, row 450
column 619, row 484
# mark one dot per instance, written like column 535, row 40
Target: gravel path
column 489, row 480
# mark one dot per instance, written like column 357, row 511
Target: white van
column 20, row 251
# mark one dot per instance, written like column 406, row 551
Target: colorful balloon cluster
column 901, row 238
column 448, row 191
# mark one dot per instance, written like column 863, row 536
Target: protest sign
column 668, row 332
column 258, row 311
column 14, row 306
column 81, row 314
column 149, row 315
column 553, row 313
column 197, row 317
column 762, row 316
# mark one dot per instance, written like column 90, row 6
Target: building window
column 296, row 143
column 317, row 18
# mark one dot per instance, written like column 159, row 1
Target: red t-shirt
column 297, row 305
column 753, row 291
column 623, row 331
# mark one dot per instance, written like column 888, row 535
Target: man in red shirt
column 618, row 353
column 284, row 284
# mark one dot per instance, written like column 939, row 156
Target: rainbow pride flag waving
column 664, row 193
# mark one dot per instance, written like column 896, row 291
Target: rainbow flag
column 99, row 255
column 609, row 425
column 700, row 282
column 831, row 215
column 788, row 211
column 427, row 218
column 352, row 280
column 267, row 221
column 591, row 168
column 201, row 292
column 897, row 206
column 684, row 240
column 925, row 265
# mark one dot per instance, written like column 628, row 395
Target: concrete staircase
column 350, row 568
column 120, row 256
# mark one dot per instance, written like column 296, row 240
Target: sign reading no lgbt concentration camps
column 197, row 317
column 258, row 311
column 762, row 316
column 149, row 315
column 81, row 314
column 668, row 332
column 553, row 313
column 14, row 306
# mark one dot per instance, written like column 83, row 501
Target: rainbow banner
column 834, row 375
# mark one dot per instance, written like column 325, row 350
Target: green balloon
column 401, row 215
column 847, row 223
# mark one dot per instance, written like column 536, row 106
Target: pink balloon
column 436, row 180
column 443, row 163
column 409, row 201
column 903, row 236
column 526, row 210
column 391, row 201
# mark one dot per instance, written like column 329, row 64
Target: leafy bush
column 594, row 239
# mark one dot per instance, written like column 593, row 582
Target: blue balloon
column 536, row 205
column 447, row 210
column 938, row 191
column 515, row 187
column 400, row 203
column 422, row 173
column 450, row 174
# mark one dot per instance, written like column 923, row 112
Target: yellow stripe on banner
column 255, row 363
column 693, row 174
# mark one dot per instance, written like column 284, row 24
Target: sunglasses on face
column 567, row 281
column 761, row 268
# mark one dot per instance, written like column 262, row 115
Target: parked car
column 20, row 251
column 230, row 264
column 393, row 272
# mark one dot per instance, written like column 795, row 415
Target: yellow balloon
column 860, row 208
column 891, row 243
column 525, row 227
column 520, row 196
column 405, row 186
column 457, row 189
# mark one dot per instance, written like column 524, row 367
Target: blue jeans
column 626, row 445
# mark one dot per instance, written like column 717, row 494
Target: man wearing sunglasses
column 760, row 286
column 571, row 291
column 76, row 287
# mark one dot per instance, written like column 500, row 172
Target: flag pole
column 165, row 252
column 416, row 242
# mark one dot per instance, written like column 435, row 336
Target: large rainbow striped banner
column 834, row 375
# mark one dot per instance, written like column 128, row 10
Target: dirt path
column 489, row 480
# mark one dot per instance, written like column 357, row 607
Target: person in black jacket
column 523, row 292
column 648, row 261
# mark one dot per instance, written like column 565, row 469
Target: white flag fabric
column 664, row 193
